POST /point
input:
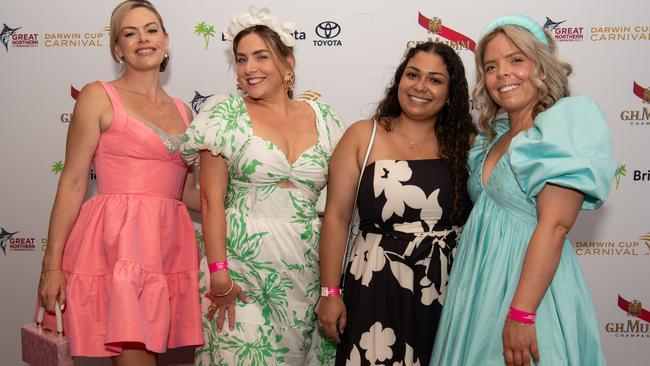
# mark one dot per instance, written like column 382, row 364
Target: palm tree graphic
column 57, row 167
column 205, row 30
column 621, row 171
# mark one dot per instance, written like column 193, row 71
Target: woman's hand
column 222, row 283
column 519, row 343
column 51, row 289
column 332, row 317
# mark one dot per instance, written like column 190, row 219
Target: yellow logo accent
column 646, row 239
column 634, row 308
column 646, row 95
column 309, row 95
column 434, row 24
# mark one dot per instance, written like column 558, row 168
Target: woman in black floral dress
column 412, row 202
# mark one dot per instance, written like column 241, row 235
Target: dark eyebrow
column 255, row 53
column 430, row 73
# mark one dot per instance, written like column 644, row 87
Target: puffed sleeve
column 206, row 132
column 475, row 154
column 569, row 145
column 332, row 126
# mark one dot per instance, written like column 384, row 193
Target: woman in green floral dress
column 264, row 159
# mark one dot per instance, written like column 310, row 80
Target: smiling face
column 259, row 72
column 424, row 86
column 141, row 40
column 508, row 73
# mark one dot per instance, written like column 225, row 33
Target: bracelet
column 330, row 291
column 518, row 324
column 218, row 266
column 232, row 284
column 521, row 316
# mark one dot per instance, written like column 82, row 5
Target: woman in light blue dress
column 516, row 294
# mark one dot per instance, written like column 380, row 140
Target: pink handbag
column 43, row 347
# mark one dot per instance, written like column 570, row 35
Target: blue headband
column 523, row 21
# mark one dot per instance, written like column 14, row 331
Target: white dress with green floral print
column 272, row 239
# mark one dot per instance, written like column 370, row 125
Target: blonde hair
column 116, row 18
column 550, row 89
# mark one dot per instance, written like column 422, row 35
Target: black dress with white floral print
column 397, row 275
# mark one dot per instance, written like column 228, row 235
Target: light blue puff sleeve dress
column 570, row 146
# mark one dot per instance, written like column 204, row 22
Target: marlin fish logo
column 5, row 236
column 551, row 25
column 6, row 34
column 198, row 100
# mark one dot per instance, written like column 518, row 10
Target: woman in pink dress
column 123, row 265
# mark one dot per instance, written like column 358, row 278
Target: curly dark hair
column 453, row 123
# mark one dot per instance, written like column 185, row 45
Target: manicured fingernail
column 62, row 307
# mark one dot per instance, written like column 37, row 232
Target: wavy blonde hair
column 550, row 89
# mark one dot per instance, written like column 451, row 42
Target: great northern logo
column 437, row 30
column 637, row 327
column 17, row 39
column 10, row 241
column 5, row 237
column 198, row 101
column 638, row 116
column 564, row 33
column 6, row 34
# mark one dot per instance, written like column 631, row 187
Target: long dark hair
column 453, row 124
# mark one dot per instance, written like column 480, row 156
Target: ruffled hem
column 131, row 305
column 131, row 264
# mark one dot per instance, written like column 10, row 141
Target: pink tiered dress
column 131, row 259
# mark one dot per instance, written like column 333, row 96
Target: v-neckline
column 144, row 123
column 274, row 145
column 485, row 182
column 146, row 126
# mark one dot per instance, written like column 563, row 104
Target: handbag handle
column 59, row 318
column 355, row 213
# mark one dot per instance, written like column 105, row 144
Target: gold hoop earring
column 289, row 81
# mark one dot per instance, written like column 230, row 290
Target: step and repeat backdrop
column 346, row 53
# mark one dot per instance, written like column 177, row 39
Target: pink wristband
column 521, row 316
column 218, row 266
column 330, row 291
